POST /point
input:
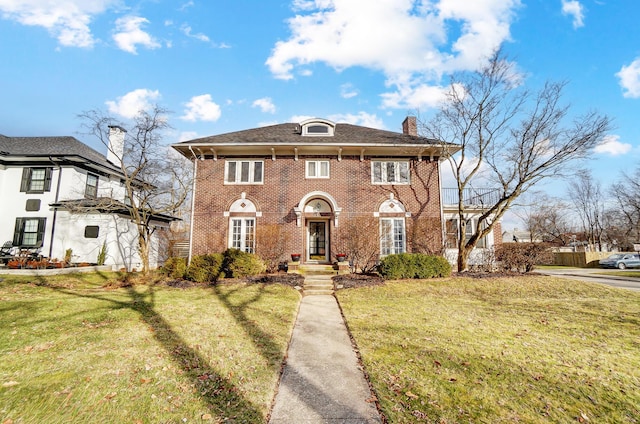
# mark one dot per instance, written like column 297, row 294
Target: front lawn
column 526, row 349
column 74, row 350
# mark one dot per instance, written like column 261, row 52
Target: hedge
column 413, row 265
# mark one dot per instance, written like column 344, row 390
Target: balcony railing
column 473, row 197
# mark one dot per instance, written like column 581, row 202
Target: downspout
column 193, row 203
column 443, row 223
column 55, row 210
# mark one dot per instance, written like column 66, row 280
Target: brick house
column 310, row 178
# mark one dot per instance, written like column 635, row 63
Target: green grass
column 75, row 351
column 529, row 349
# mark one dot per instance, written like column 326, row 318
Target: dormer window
column 317, row 127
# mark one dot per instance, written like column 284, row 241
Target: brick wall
column 285, row 185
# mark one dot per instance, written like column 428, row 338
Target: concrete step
column 318, row 284
column 317, row 292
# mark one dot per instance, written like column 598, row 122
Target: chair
column 6, row 252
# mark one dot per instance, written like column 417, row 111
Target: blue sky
column 228, row 65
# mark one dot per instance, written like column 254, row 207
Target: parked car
column 621, row 261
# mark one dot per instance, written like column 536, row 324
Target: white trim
column 318, row 167
column 397, row 172
column 238, row 172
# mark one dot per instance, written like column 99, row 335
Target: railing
column 481, row 197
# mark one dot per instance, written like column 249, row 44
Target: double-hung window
column 317, row 169
column 392, row 236
column 29, row 232
column 390, row 172
column 35, row 180
column 91, row 188
column 243, row 234
column 244, row 172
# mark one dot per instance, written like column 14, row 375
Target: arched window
column 392, row 227
column 242, row 225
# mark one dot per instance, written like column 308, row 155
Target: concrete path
column 322, row 381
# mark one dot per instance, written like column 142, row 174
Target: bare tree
column 627, row 195
column 588, row 202
column 156, row 181
column 508, row 135
column 359, row 239
column 271, row 241
column 546, row 218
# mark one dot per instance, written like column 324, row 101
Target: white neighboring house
column 476, row 202
column 52, row 188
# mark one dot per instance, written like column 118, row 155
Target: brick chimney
column 115, row 150
column 410, row 126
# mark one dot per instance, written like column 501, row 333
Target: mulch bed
column 350, row 281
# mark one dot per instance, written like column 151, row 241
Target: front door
column 318, row 241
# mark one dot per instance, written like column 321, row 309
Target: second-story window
column 243, row 172
column 317, row 169
column 36, row 180
column 390, row 172
column 91, row 189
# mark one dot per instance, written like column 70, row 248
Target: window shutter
column 26, row 176
column 47, row 179
column 41, row 223
column 17, row 233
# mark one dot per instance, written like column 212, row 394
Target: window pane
column 231, row 173
column 377, row 172
column 257, row 172
column 318, row 129
column 391, row 172
column 386, row 237
column 324, row 169
column 249, row 235
column 236, row 235
column 244, row 172
column 403, row 168
column 398, row 235
column 311, row 167
column 37, row 180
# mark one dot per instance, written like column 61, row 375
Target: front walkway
column 322, row 381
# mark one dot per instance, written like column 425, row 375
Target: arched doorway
column 315, row 213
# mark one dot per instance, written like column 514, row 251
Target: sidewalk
column 322, row 381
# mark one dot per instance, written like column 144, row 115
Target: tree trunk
column 143, row 244
column 463, row 258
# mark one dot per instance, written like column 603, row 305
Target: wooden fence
column 579, row 259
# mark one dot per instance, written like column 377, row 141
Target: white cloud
column 265, row 104
column 128, row 34
column 201, row 108
column 67, row 20
column 347, row 91
column 186, row 29
column 630, row 79
column 361, row 118
column 611, row 145
column 186, row 5
column 407, row 40
column 574, row 9
column 129, row 105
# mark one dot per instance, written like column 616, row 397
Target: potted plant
column 295, row 257
column 341, row 257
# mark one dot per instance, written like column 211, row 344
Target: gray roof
column 345, row 134
column 287, row 139
column 44, row 147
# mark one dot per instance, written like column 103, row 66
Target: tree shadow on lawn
column 221, row 396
